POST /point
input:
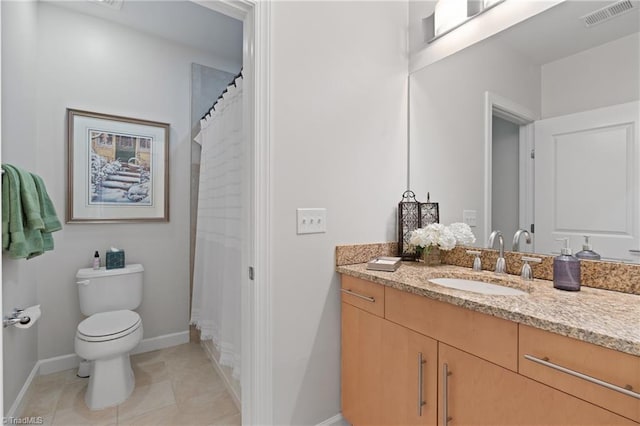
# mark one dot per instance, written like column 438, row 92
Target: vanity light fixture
column 451, row 14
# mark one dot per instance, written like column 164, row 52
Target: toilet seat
column 105, row 326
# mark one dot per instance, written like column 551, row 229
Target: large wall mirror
column 537, row 127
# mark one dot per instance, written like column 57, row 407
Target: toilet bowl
column 111, row 330
column 106, row 339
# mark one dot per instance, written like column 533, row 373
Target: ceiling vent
column 607, row 13
column 112, row 4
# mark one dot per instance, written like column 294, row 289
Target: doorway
column 505, row 176
column 256, row 308
column 509, row 169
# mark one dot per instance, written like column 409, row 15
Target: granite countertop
column 606, row 318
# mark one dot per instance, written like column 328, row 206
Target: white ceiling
column 559, row 31
column 180, row 21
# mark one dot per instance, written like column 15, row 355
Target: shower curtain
column 215, row 307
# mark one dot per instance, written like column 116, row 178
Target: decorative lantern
column 412, row 215
column 408, row 220
column 429, row 213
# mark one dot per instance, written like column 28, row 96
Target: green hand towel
column 5, row 211
column 21, row 214
column 14, row 240
column 47, row 209
column 47, row 212
column 30, row 202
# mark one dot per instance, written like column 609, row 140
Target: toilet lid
column 109, row 324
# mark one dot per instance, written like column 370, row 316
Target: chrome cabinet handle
column 353, row 293
column 421, row 401
column 633, row 251
column 590, row 379
column 83, row 282
column 445, row 394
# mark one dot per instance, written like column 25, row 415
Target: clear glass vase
column 431, row 256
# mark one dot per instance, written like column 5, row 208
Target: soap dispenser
column 587, row 252
column 566, row 269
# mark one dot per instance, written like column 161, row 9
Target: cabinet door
column 361, row 366
column 479, row 392
column 410, row 375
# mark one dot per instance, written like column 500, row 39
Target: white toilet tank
column 103, row 290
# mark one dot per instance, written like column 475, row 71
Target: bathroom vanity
column 414, row 352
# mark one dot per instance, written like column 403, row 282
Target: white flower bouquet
column 441, row 236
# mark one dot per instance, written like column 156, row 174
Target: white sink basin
column 477, row 287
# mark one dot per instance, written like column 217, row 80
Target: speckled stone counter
column 606, row 318
column 624, row 277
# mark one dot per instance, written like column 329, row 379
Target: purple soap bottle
column 566, row 269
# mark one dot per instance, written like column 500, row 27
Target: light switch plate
column 469, row 217
column 311, row 221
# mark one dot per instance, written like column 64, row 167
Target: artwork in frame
column 118, row 169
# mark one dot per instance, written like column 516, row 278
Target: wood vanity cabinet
column 389, row 373
column 383, row 333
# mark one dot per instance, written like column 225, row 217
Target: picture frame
column 118, row 169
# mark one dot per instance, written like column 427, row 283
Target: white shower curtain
column 215, row 307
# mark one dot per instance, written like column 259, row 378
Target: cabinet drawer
column 481, row 393
column 542, row 352
column 491, row 338
column 363, row 294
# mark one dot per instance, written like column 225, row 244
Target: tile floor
column 174, row 386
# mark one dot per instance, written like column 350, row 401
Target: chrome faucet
column 477, row 262
column 516, row 238
column 500, row 263
column 527, row 273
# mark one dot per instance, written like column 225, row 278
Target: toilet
column 111, row 331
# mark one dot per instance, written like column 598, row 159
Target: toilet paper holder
column 16, row 317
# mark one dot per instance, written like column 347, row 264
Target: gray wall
column 338, row 134
column 601, row 76
column 19, row 23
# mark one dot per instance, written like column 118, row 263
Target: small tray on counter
column 384, row 263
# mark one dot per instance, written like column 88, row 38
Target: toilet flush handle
column 83, row 282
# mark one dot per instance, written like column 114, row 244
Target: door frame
column 256, row 300
column 524, row 117
column 1, row 287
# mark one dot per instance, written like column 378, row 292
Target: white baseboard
column 213, row 357
column 161, row 342
column 57, row 363
column 336, row 420
column 18, row 405
column 67, row 362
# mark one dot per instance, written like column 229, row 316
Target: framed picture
column 118, row 169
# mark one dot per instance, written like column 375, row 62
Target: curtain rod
column 233, row 82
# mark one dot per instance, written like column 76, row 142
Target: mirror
column 537, row 126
